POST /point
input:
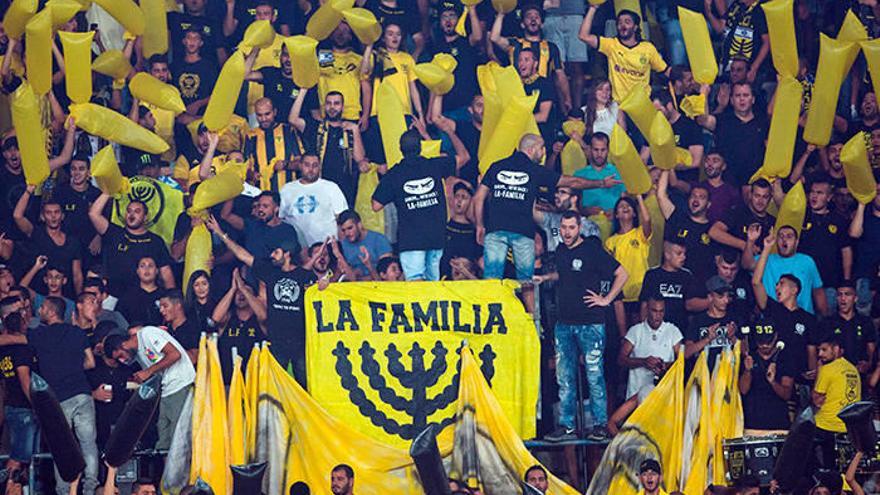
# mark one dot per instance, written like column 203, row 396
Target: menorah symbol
column 418, row 379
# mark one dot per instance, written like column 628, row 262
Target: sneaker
column 561, row 434
column 599, row 434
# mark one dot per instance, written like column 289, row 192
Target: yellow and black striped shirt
column 265, row 148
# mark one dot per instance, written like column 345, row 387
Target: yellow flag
column 252, row 395
column 237, row 413
column 698, row 438
column 164, row 205
column 210, row 441
column 367, row 184
column 392, row 123
column 654, row 431
column 726, row 407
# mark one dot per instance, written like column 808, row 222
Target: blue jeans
column 571, row 341
column 672, row 32
column 421, row 265
column 80, row 413
column 24, row 433
column 495, row 247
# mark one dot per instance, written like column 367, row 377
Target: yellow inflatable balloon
column 260, row 34
column 597, row 3
column 622, row 153
column 392, row 123
column 215, row 190
column 31, row 136
column 78, row 65
column 115, row 127
column 154, row 40
column 783, row 44
column 662, row 140
column 504, row 6
column 127, row 13
column 640, row 109
column 693, row 105
column 304, row 59
column 871, row 49
column 198, row 253
column 430, row 148
column 510, row 127
column 793, row 209
column 225, row 94
column 852, row 28
column 835, row 59
column 364, row 24
column 326, row 18
column 62, row 11
column 859, row 178
column 105, row 170
column 147, row 88
column 491, row 105
column 113, row 64
column 783, row 130
column 445, row 61
column 683, row 157
column 17, row 16
column 698, row 46
column 367, row 183
column 572, row 157
column 437, row 80
column 38, row 51
column 470, row 3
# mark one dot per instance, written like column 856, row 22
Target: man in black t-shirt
column 856, row 332
column 732, row 229
column 283, row 287
column 671, row 281
column 588, row 281
column 184, row 330
column 75, row 198
column 242, row 316
column 689, row 228
column 195, row 17
column 279, row 87
column 766, row 381
column 123, row 247
column 463, row 49
column 16, row 363
column 546, row 115
column 460, row 231
column 715, row 328
column 469, row 130
column 727, row 266
column 193, row 75
column 415, row 186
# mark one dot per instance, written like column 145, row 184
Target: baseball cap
column 649, row 465
column 718, row 285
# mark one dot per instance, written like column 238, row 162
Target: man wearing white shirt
column 311, row 203
column 649, row 347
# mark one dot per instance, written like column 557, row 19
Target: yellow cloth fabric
column 630, row 67
column 399, row 69
column 631, row 251
column 210, row 443
column 839, row 381
column 342, row 75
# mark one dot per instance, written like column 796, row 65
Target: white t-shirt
column 649, row 342
column 151, row 341
column 606, row 118
column 311, row 209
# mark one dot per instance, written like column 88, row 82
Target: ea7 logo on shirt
column 512, row 178
column 671, row 291
column 286, row 290
column 419, row 186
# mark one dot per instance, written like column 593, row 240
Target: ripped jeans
column 571, row 341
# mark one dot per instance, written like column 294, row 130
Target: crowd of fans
column 625, row 282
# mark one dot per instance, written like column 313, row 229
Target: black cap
column 718, row 285
column 649, row 465
column 10, row 142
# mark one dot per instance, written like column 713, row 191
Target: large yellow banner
column 384, row 357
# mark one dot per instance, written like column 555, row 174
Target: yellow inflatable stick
column 460, row 25
column 113, row 64
column 62, row 11
column 470, row 3
column 127, row 13
column 198, row 252
column 430, row 148
column 215, row 190
column 155, row 39
column 38, row 51
column 852, row 28
column 364, row 24
column 225, row 94
column 105, row 170
column 115, row 127
column 437, row 80
column 632, row 5
column 835, row 59
column 504, row 6
column 693, row 105
column 367, row 183
column 698, row 46
column 572, row 156
column 871, row 49
column 326, row 18
column 683, row 157
column 640, row 109
column 597, row 2
column 511, row 125
column 78, row 65
column 859, row 178
column 147, row 88
column 662, row 140
column 17, row 16
column 783, row 131
column 491, row 105
column 445, row 61
column 622, row 153
column 392, row 123
column 783, row 45
column 304, row 59
column 260, row 34
column 31, row 136
column 793, row 209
